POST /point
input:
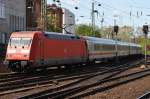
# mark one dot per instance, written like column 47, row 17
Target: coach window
column 100, row 47
column 109, row 47
column 119, row 47
column 96, row 47
column 123, row 48
column 103, row 47
column 112, row 47
column 106, row 47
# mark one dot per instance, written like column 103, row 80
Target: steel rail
column 65, row 86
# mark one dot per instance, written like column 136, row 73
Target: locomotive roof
column 24, row 33
column 52, row 35
column 56, row 35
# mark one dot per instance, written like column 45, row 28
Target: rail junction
column 70, row 84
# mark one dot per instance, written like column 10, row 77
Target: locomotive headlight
column 25, row 51
column 11, row 51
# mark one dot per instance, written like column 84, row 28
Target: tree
column 106, row 32
column 54, row 20
column 125, row 33
column 86, row 30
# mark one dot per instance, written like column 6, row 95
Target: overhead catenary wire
column 82, row 7
column 104, row 8
column 79, row 16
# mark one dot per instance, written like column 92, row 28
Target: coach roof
column 99, row 40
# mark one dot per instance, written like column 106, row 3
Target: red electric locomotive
column 37, row 49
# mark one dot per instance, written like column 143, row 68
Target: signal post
column 116, row 29
column 145, row 31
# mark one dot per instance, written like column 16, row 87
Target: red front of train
column 36, row 49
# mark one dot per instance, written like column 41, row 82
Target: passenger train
column 35, row 49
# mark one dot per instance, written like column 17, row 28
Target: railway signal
column 116, row 29
column 145, row 31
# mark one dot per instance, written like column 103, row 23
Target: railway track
column 110, row 83
column 145, row 96
column 8, row 75
column 77, row 86
column 75, row 93
column 14, row 76
column 18, row 84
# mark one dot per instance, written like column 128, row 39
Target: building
column 60, row 19
column 33, row 9
column 68, row 22
column 54, row 15
column 12, row 17
column 36, row 14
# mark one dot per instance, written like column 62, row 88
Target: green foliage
column 50, row 20
column 50, row 27
column 125, row 32
column 141, row 41
column 86, row 30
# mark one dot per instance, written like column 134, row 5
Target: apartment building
column 12, row 17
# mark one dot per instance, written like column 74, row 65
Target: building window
column 2, row 9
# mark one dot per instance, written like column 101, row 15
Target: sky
column 126, row 12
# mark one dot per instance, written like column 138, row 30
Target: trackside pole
column 116, row 28
column 145, row 31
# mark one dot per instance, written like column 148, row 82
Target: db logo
column 65, row 50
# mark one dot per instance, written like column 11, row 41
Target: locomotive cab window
column 14, row 41
column 26, row 41
column 20, row 41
